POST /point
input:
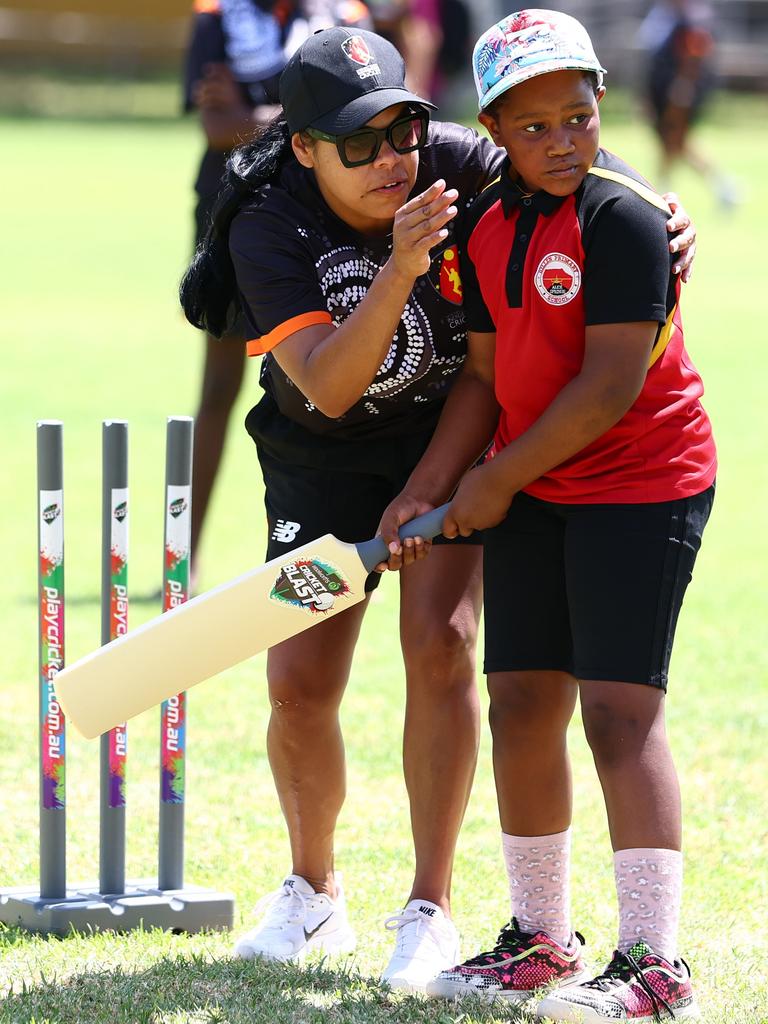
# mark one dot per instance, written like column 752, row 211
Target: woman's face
column 365, row 197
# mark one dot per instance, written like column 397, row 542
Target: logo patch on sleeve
column 450, row 280
column 557, row 279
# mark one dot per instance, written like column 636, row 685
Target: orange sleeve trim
column 207, row 7
column 258, row 346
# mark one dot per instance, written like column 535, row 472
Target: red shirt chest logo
column 557, row 279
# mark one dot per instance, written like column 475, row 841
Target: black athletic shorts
column 315, row 485
column 593, row 590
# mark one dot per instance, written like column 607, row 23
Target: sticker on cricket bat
column 310, row 584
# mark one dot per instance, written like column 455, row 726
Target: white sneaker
column 296, row 920
column 427, row 943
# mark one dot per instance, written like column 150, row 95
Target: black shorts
column 315, row 485
column 593, row 590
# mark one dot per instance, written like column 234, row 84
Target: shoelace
column 405, row 936
column 511, row 940
column 273, row 906
column 397, row 923
column 621, row 969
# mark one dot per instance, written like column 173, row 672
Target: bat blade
column 222, row 627
column 210, row 633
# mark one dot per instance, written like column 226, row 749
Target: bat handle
column 427, row 526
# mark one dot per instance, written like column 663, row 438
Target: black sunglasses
column 362, row 146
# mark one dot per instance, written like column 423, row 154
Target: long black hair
column 207, row 292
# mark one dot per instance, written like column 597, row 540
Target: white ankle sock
column 538, row 868
column 649, row 885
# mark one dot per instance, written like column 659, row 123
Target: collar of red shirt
column 512, row 196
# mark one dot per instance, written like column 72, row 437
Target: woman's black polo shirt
column 297, row 263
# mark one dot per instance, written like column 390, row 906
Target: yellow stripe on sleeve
column 637, row 186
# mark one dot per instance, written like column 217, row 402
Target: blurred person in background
column 433, row 37
column 679, row 38
column 237, row 50
column 420, row 44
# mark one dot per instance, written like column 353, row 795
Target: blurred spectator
column 236, row 53
column 433, row 36
column 420, row 43
column 679, row 38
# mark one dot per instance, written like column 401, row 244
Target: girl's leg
column 530, row 712
column 304, row 742
column 529, row 716
column 439, row 612
column 624, row 724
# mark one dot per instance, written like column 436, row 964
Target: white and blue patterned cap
column 530, row 43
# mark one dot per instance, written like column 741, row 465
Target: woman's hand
column 419, row 226
column 402, row 552
column 481, row 501
column 685, row 242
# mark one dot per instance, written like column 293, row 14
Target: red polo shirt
column 538, row 270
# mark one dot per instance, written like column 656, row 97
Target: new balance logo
column 285, row 531
column 429, row 911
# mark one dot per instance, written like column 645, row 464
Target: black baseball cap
column 340, row 78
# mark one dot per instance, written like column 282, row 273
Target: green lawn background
column 96, row 222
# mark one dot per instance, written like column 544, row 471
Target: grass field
column 96, row 222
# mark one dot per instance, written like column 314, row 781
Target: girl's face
column 550, row 129
column 365, row 197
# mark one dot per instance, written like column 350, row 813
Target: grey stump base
column 143, row 905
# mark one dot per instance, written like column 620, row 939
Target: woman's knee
column 299, row 689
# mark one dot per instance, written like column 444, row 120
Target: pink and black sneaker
column 518, row 965
column 636, row 986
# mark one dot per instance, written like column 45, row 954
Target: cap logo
column 557, row 279
column 357, row 50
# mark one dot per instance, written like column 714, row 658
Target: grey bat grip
column 427, row 526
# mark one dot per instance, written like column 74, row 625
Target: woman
column 351, row 291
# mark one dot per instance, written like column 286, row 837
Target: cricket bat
column 222, row 627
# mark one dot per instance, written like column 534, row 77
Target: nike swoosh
column 308, row 934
